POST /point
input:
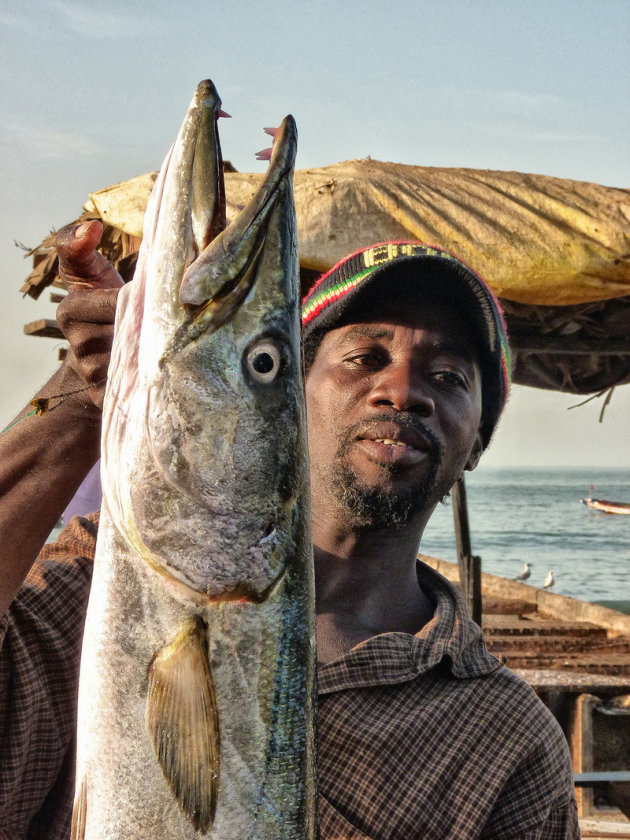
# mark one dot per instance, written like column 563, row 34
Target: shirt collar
column 389, row 658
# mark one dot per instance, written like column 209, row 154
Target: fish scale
column 196, row 688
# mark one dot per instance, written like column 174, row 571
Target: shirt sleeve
column 561, row 823
column 40, row 648
column 538, row 801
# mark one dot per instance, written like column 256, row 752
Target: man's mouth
column 405, row 435
column 406, row 448
column 396, row 443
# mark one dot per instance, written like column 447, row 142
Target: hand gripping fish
column 195, row 701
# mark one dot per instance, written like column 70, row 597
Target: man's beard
column 376, row 507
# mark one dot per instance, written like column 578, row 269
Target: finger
column 80, row 264
column 87, row 306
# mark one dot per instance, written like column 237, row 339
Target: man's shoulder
column 516, row 709
column 538, row 793
column 80, row 531
column 55, row 592
column 40, row 649
column 489, row 735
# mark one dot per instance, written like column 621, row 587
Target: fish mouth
column 260, row 568
column 238, row 595
column 223, row 266
column 211, row 267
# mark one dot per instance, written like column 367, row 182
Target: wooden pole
column 581, row 744
column 469, row 564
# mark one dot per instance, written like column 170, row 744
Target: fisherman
column 421, row 732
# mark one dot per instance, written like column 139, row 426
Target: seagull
column 549, row 581
column 525, row 573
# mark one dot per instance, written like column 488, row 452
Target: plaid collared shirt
column 424, row 736
column 430, row 736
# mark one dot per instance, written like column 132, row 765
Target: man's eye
column 365, row 360
column 450, row 377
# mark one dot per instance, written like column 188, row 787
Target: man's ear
column 475, row 453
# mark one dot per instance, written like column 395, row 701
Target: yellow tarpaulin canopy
column 535, row 239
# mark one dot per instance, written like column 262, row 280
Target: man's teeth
column 390, row 442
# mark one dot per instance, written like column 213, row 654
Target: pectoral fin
column 183, row 723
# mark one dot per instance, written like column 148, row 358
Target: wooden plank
column 43, row 327
column 534, row 625
column 594, row 663
column 604, row 829
column 554, row 643
column 573, row 681
column 504, row 606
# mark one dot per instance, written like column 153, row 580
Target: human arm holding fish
column 45, row 457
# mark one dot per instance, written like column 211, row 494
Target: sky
column 94, row 94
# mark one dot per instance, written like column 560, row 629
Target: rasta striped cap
column 430, row 270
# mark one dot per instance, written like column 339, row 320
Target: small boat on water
column 605, row 506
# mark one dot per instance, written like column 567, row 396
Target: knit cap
column 430, row 269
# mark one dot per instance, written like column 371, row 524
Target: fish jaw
column 213, row 449
column 175, row 229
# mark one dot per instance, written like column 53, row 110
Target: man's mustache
column 405, row 420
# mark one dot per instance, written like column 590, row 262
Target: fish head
column 204, row 446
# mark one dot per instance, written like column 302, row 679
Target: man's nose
column 402, row 388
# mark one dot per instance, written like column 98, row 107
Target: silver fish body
column 195, row 700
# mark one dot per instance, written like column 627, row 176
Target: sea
column 535, row 515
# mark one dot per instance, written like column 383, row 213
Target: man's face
column 394, row 409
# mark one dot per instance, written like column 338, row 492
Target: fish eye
column 264, row 361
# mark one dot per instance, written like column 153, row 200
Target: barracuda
column 195, row 701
